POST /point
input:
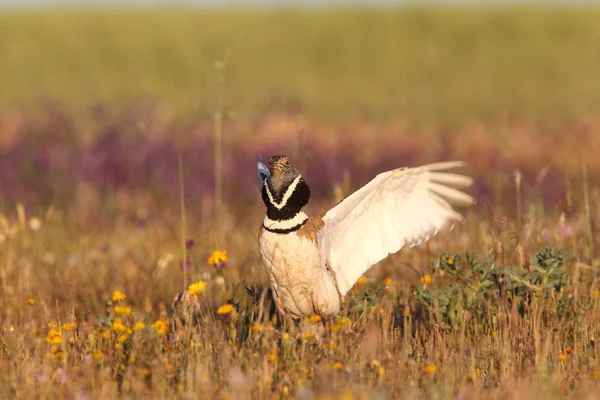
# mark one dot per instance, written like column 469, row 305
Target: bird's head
column 282, row 185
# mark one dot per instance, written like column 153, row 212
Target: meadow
column 128, row 145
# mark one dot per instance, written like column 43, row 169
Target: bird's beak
column 263, row 171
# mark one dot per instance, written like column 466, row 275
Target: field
column 128, row 144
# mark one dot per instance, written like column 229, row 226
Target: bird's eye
column 286, row 163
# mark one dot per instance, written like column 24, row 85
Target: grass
column 474, row 312
column 432, row 65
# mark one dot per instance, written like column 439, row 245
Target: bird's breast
column 292, row 265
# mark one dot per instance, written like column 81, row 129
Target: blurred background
column 100, row 99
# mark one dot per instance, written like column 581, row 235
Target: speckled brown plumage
column 309, row 229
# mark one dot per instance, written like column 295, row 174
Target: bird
column 313, row 262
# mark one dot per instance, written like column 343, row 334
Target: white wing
column 397, row 208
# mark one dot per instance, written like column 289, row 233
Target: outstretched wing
column 397, row 208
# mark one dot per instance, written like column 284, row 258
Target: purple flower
column 546, row 234
column 189, row 243
column 187, row 265
column 566, row 230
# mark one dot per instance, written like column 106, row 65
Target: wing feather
column 397, row 208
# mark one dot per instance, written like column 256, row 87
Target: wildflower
column 343, row 321
column 285, row 336
column 430, row 369
column 144, row 372
column 569, row 350
column 450, row 260
column 169, row 368
column 68, row 326
column 330, row 346
column 337, row 366
column 362, row 281
column 35, row 224
column 273, row 357
column 139, row 326
column 562, row 357
column 189, row 243
column 314, row 318
column 225, row 309
column 98, row 355
column 308, row 337
column 187, row 265
column 218, row 259
column 54, row 337
column 123, row 310
column 197, row 288
column 118, row 326
column 30, row 301
column 118, row 296
column 375, row 363
column 121, row 338
column 335, row 328
column 388, row 282
column 426, row 279
column 257, row 327
column 161, row 327
column 104, row 333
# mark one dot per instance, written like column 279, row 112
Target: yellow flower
column 335, row 328
column 314, row 318
column 98, row 355
column 161, row 327
column 337, row 366
column 104, row 333
column 450, row 260
column 362, row 281
column 388, row 282
column 143, row 372
column 569, row 350
column 122, row 339
column 562, row 357
column 430, row 369
column 123, row 310
column 118, row 296
column 30, row 301
column 343, row 321
column 285, row 336
column 197, row 288
column 118, row 325
column 308, row 337
column 225, row 309
column 375, row 363
column 217, row 257
column 139, row 326
column 54, row 337
column 426, row 279
column 330, row 346
column 257, row 327
column 68, row 326
column 273, row 357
